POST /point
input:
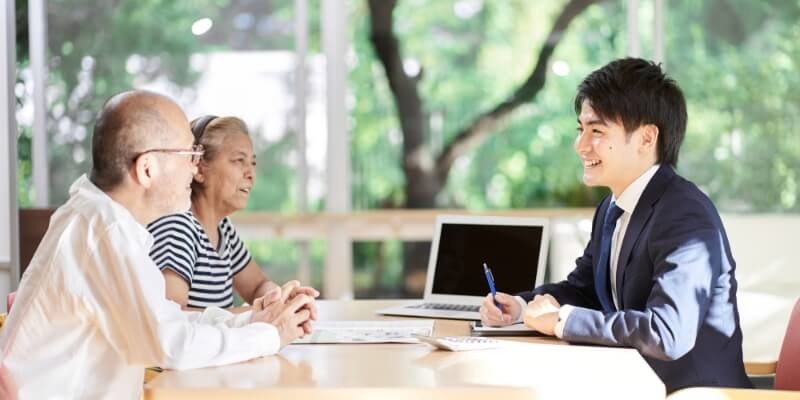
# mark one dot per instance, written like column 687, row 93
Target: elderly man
column 91, row 311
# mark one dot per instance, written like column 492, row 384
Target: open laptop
column 514, row 248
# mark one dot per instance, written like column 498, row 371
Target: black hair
column 199, row 126
column 637, row 92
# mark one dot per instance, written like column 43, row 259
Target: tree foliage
column 737, row 61
column 480, row 75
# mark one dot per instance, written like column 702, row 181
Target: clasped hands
column 540, row 314
column 289, row 308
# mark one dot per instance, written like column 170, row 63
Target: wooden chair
column 33, row 223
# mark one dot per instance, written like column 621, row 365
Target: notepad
column 367, row 331
column 519, row 329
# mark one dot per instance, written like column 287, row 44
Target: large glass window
column 213, row 57
column 222, row 57
column 735, row 59
column 468, row 56
column 464, row 58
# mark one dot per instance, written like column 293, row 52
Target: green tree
column 737, row 62
column 24, row 170
column 89, row 46
column 452, row 88
column 98, row 49
column 426, row 171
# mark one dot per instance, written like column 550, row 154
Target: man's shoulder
column 79, row 228
column 683, row 202
column 87, row 213
column 682, row 190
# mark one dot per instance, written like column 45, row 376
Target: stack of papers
column 367, row 331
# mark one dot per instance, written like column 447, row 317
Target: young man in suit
column 658, row 274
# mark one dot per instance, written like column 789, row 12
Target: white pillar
column 37, row 30
column 339, row 253
column 658, row 34
column 300, row 98
column 9, row 227
column 634, row 43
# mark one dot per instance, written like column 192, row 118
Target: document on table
column 367, row 331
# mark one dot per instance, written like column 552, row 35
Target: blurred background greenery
column 737, row 61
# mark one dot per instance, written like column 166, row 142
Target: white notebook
column 367, row 331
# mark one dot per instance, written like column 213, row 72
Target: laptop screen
column 510, row 251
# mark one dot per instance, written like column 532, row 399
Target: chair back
column 787, row 372
column 33, row 223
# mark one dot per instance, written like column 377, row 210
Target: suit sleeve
column 688, row 255
column 578, row 288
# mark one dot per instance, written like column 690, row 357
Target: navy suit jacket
column 676, row 289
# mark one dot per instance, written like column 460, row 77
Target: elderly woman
column 199, row 252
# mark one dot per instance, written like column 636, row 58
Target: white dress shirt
column 91, row 312
column 627, row 202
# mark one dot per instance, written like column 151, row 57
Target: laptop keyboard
column 453, row 307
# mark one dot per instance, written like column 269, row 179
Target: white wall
column 764, row 246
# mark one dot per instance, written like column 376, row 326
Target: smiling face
column 611, row 157
column 228, row 178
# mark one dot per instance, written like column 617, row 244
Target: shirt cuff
column 241, row 319
column 522, row 305
column 216, row 315
column 263, row 337
column 563, row 314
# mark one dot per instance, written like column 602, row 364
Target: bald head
column 130, row 123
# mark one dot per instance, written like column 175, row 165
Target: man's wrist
column 563, row 314
column 522, row 305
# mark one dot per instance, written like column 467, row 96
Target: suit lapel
column 641, row 214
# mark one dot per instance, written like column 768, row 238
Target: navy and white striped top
column 181, row 244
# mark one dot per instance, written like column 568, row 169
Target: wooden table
column 532, row 368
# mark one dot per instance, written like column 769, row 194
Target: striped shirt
column 181, row 244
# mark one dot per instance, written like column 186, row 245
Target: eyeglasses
column 196, row 152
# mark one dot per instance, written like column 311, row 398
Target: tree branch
column 404, row 87
column 482, row 126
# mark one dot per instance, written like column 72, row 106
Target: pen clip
column 488, row 271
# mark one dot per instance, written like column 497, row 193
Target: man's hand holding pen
column 491, row 315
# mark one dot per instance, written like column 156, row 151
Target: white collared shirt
column 91, row 313
column 627, row 201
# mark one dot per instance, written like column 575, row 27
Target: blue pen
column 490, row 280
